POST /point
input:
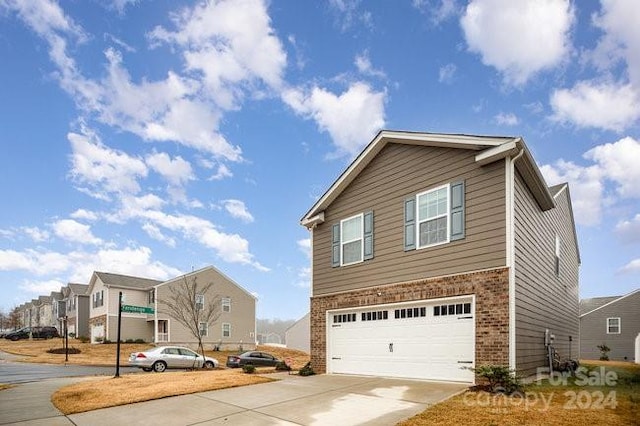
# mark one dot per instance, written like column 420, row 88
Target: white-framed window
column 226, row 330
column 199, row 302
column 152, row 297
column 613, row 325
column 433, row 217
column 557, row 256
column 203, row 327
column 352, row 240
column 226, row 304
column 98, row 298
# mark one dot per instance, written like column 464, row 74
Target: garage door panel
column 427, row 346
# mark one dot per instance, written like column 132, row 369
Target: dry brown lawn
column 102, row 393
column 546, row 404
column 4, row 386
column 105, row 354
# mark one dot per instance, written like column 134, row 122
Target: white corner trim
column 511, row 264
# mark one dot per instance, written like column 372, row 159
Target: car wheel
column 209, row 364
column 15, row 338
column 159, row 366
column 147, row 369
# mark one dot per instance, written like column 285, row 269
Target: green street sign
column 137, row 309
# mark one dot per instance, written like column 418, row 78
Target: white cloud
column 588, row 104
column 629, row 230
column 619, row 163
column 305, row 246
column 36, row 234
column 102, row 168
column 507, row 119
column 70, row 230
column 222, row 173
column 519, row 38
column 438, row 10
column 351, row 118
column 347, row 13
column 621, row 40
column 84, row 214
column 79, row 265
column 446, row 73
column 176, row 171
column 586, row 185
column 238, row 210
column 632, row 267
column 155, row 233
column 304, row 277
column 612, row 163
column 363, row 63
column 39, row 288
column 231, row 43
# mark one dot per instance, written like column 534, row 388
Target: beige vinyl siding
column 82, row 316
column 397, row 172
column 543, row 299
column 593, row 329
column 242, row 315
column 133, row 327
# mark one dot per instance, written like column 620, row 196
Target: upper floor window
column 226, row 304
column 152, row 296
column 226, row 330
column 352, row 240
column 98, row 298
column 613, row 325
column 199, row 302
column 557, row 256
column 434, row 217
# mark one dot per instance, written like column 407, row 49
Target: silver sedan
column 163, row 357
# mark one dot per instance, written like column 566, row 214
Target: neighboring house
column 435, row 252
column 613, row 321
column 56, row 315
column 103, row 292
column 298, row 335
column 76, row 301
column 235, row 323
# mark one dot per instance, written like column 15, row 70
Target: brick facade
column 491, row 289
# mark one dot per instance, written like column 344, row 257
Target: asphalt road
column 22, row 372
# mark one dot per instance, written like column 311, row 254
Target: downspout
column 511, row 257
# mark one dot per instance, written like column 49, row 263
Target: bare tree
column 193, row 305
column 15, row 320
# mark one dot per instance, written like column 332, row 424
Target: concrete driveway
column 293, row 400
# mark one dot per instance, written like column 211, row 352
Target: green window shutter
column 335, row 245
column 457, row 211
column 368, row 235
column 410, row 224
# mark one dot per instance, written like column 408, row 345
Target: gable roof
column 125, row 281
column 79, row 289
column 490, row 149
column 588, row 306
column 556, row 191
column 206, row 268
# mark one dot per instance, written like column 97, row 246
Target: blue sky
column 156, row 137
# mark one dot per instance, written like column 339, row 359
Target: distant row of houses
column 91, row 310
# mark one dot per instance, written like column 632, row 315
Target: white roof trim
column 497, row 153
column 612, row 302
column 383, row 137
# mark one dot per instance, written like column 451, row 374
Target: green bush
column 499, row 378
column 282, row 366
column 83, row 339
column 129, row 341
column 307, row 370
column 139, row 341
column 249, row 369
column 604, row 352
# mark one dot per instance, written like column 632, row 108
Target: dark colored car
column 253, row 358
column 35, row 332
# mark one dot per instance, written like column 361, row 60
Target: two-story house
column 104, row 291
column 435, row 252
column 234, row 308
column 76, row 301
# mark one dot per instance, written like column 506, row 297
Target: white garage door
column 431, row 339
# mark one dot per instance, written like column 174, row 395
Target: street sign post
column 137, row 309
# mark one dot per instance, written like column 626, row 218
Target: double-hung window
column 226, row 330
column 613, row 325
column 434, row 217
column 203, row 327
column 352, row 240
column 226, row 304
column 199, row 302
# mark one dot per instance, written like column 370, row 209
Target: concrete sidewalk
column 293, row 400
